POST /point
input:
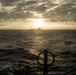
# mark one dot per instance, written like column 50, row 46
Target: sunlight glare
column 37, row 15
column 38, row 23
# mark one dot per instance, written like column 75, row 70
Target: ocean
column 20, row 48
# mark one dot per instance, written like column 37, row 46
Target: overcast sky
column 14, row 14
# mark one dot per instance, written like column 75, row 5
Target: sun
column 38, row 23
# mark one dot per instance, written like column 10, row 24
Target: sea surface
column 20, row 48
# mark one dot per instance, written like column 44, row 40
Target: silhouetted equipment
column 45, row 72
column 70, row 70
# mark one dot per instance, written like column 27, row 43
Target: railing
column 70, row 70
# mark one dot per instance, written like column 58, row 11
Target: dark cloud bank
column 20, row 9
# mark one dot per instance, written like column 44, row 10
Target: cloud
column 20, row 9
column 8, row 2
column 64, row 12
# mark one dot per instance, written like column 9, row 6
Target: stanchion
column 46, row 65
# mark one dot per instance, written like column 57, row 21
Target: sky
column 34, row 14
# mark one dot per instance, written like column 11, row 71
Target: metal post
column 45, row 62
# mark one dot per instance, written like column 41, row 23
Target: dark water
column 20, row 48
